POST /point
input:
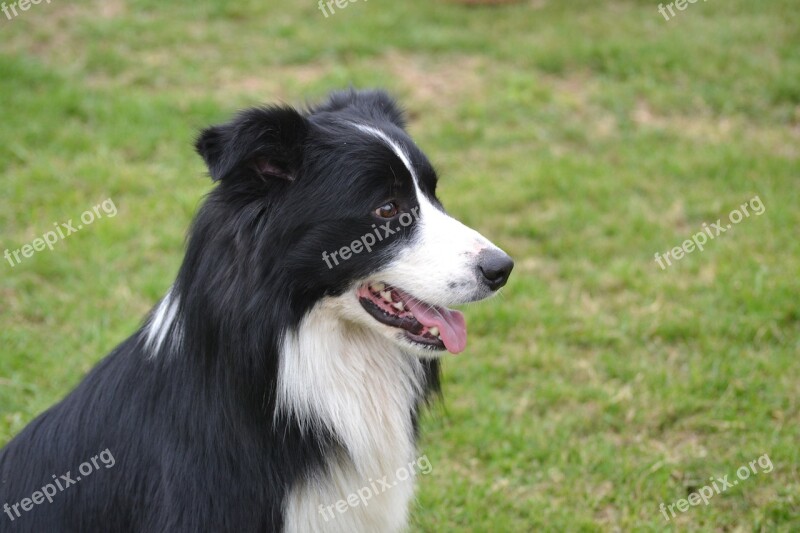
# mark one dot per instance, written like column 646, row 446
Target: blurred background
column 581, row 136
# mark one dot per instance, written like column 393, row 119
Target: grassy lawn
column 581, row 136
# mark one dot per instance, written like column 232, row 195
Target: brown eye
column 387, row 210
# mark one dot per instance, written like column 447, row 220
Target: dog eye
column 387, row 210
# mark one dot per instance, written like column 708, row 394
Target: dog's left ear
column 262, row 143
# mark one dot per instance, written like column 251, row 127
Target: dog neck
column 353, row 383
column 358, row 386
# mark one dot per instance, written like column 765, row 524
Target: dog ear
column 262, row 142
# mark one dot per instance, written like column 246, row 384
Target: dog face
column 343, row 203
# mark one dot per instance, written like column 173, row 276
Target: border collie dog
column 286, row 367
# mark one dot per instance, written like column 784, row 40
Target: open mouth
column 435, row 328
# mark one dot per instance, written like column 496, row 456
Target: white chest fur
column 360, row 387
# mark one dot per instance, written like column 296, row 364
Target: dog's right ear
column 264, row 143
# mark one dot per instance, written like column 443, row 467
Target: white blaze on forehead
column 393, row 145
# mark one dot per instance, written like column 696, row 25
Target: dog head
column 337, row 202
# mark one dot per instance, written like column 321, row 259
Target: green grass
column 581, row 136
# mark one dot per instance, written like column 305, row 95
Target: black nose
column 495, row 267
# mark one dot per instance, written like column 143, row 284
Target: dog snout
column 494, row 266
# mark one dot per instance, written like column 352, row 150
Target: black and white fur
column 259, row 388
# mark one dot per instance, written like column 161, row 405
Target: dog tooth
column 386, row 295
column 399, row 306
column 434, row 331
column 377, row 287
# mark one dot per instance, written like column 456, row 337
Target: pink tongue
column 452, row 328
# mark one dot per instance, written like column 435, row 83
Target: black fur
column 192, row 428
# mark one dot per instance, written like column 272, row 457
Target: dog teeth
column 377, row 287
column 399, row 306
column 434, row 331
column 386, row 295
